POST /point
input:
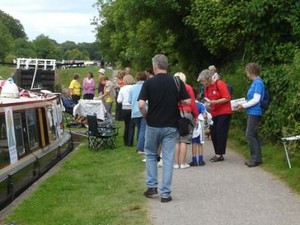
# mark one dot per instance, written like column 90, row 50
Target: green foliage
column 76, row 54
column 14, row 26
column 132, row 32
column 14, row 44
column 5, row 42
column 282, row 117
column 219, row 24
column 23, row 48
column 264, row 30
column 46, row 48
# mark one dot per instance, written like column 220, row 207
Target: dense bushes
column 282, row 117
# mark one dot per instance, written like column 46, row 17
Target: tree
column 76, row 54
column 46, row 48
column 5, row 42
column 133, row 31
column 22, row 48
column 265, row 30
column 14, row 27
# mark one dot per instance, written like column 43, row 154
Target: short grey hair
column 161, row 61
column 205, row 75
column 65, row 91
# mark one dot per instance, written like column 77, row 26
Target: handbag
column 184, row 125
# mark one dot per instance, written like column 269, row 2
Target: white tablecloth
column 90, row 107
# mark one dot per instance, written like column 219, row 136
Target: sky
column 61, row 20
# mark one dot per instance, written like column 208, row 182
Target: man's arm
column 186, row 101
column 142, row 108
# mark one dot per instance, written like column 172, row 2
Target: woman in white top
column 123, row 97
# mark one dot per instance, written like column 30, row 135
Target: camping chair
column 101, row 135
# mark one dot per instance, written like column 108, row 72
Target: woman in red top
column 217, row 99
column 191, row 112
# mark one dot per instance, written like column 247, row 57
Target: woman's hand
column 240, row 107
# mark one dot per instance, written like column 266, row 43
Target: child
column 198, row 136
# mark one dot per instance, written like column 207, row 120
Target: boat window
column 51, row 121
column 19, row 134
column 32, row 129
column 4, row 154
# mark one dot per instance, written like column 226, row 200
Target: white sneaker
column 176, row 166
column 144, row 160
column 184, row 166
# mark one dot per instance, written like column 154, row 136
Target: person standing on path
column 75, row 88
column 161, row 117
column 107, row 96
column 123, row 98
column 101, row 85
column 254, row 112
column 217, row 99
column 88, row 86
column 136, row 116
column 190, row 112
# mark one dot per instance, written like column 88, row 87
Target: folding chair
column 101, row 135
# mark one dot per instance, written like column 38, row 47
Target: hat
column 102, row 71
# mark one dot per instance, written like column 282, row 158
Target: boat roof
column 27, row 102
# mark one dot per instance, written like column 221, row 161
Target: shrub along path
column 228, row 193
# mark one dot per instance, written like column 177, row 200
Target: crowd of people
column 150, row 105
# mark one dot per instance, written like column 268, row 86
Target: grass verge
column 91, row 187
column 273, row 159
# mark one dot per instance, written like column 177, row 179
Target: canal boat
column 32, row 137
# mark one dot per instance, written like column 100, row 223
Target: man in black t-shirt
column 158, row 103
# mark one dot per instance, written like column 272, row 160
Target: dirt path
column 226, row 193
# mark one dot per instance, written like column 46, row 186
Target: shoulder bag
column 184, row 124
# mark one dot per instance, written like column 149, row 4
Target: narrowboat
column 32, row 138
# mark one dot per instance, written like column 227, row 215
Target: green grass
column 6, row 71
column 91, row 187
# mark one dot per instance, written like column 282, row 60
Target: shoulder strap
column 177, row 82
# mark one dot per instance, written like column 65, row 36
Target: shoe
column 150, row 192
column 176, row 166
column 252, row 164
column 165, row 200
column 144, row 160
column 217, row 159
column 202, row 163
column 184, row 166
column 140, row 152
column 193, row 163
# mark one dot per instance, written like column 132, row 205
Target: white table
column 285, row 141
column 90, row 107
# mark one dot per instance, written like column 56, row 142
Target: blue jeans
column 141, row 136
column 166, row 137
